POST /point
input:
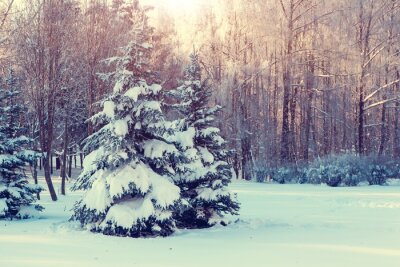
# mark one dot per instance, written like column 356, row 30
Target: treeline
column 299, row 79
column 303, row 79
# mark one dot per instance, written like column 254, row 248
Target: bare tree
column 43, row 49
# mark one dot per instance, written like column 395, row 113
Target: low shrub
column 350, row 170
column 335, row 170
column 380, row 169
column 282, row 175
column 262, row 174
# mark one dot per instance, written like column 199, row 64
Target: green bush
column 350, row 170
column 335, row 170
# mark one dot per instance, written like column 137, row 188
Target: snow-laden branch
column 380, row 89
column 381, row 103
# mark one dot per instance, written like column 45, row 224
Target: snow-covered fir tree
column 17, row 195
column 204, row 184
column 127, row 175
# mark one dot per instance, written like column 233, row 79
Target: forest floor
column 279, row 226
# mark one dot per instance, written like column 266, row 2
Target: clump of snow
column 121, row 127
column 134, row 93
column 156, row 149
column 152, row 105
column 27, row 154
column 7, row 159
column 120, row 180
column 206, row 155
column 203, row 172
column 118, row 86
column 209, row 131
column 210, row 194
column 15, row 191
column 98, row 197
column 192, row 155
column 147, row 45
column 89, row 163
column 123, row 154
column 184, row 138
column 126, row 213
column 109, row 109
column 164, row 192
column 148, row 106
column 218, row 140
column 217, row 219
column 155, row 88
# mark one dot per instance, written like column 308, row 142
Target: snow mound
column 393, row 182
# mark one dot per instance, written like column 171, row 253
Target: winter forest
column 150, row 132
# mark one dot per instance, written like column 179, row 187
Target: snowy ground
column 280, row 225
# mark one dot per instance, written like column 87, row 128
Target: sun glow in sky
column 185, row 14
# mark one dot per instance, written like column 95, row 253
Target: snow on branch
column 379, row 89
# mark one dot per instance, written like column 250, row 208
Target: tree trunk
column 287, row 87
column 51, row 164
column 64, row 157
column 58, row 163
column 35, row 176
column 247, row 160
column 309, row 88
column 47, row 176
column 292, row 131
column 344, row 118
column 361, row 121
column 383, row 131
column 396, row 136
column 81, row 159
column 285, row 134
column 70, row 167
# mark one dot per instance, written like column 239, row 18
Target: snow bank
column 393, row 182
column 280, row 225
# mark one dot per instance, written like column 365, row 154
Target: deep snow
column 279, row 226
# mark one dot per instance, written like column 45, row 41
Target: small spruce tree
column 127, row 175
column 17, row 196
column 204, row 184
